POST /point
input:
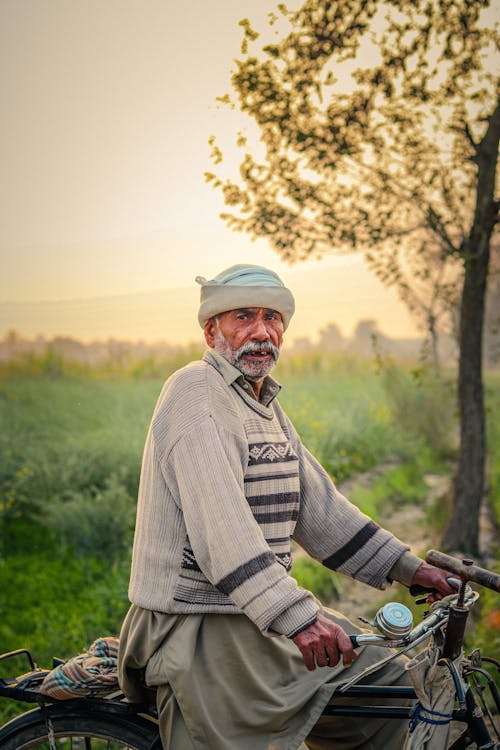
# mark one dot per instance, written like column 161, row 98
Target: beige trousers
column 347, row 732
column 329, row 733
column 221, row 685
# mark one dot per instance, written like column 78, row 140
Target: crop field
column 70, row 453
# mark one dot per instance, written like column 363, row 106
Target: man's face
column 249, row 338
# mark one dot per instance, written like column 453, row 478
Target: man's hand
column 434, row 578
column 322, row 643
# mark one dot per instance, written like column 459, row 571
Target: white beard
column 252, row 370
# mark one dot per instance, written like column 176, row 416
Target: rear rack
column 25, row 687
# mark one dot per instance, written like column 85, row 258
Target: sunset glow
column 106, row 114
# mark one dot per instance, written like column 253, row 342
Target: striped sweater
column 226, row 484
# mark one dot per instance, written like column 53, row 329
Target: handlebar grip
column 467, row 572
column 354, row 641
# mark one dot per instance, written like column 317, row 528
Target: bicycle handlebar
column 434, row 620
column 467, row 570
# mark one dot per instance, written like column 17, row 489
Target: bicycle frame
column 475, row 727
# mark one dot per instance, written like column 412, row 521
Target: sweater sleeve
column 205, row 471
column 405, row 568
column 335, row 532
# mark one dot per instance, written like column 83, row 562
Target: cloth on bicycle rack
column 435, row 689
column 93, row 673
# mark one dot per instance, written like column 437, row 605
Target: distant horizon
column 323, row 294
column 96, row 352
column 48, row 338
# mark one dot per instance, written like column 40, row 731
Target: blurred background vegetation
column 70, row 452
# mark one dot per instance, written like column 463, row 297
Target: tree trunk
column 433, row 334
column 462, row 533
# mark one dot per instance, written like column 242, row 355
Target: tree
column 367, row 337
column 429, row 285
column 395, row 158
column 330, row 338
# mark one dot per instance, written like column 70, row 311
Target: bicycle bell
column 394, row 620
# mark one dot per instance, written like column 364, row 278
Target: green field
column 70, row 452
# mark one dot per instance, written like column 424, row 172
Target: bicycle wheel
column 61, row 730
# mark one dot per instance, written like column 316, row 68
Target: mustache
column 250, row 346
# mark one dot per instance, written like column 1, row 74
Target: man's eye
column 241, row 316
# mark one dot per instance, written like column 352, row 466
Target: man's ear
column 210, row 330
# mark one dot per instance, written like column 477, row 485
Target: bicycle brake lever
column 416, row 589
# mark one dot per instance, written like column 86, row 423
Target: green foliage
column 94, row 522
column 353, row 415
column 493, row 433
column 63, row 438
column 314, row 577
column 57, row 604
column 403, row 484
column 438, row 513
column 340, row 410
column 487, row 624
column 49, row 365
column 122, row 364
column 422, row 406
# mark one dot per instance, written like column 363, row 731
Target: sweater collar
column 231, row 374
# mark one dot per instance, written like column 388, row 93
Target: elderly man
column 217, row 625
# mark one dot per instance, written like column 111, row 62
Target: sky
column 105, row 113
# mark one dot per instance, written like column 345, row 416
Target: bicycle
column 113, row 723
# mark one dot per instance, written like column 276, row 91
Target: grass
column 493, row 436
column 313, row 576
column 399, row 485
column 61, row 437
column 60, row 607
column 341, row 412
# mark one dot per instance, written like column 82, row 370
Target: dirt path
column 409, row 524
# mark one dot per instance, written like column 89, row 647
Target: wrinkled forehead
column 252, row 312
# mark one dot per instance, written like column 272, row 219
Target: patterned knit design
column 225, row 486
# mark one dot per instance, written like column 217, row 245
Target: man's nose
column 259, row 329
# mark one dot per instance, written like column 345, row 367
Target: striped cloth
column 93, row 673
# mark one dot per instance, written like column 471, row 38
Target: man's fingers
column 330, row 655
column 322, row 643
column 430, row 577
column 322, row 658
column 348, row 653
column 308, row 656
column 333, row 655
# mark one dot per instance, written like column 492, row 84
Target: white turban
column 244, row 286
